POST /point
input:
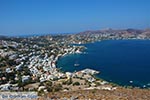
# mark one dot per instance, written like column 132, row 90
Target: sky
column 20, row 17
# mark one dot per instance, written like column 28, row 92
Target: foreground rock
column 117, row 94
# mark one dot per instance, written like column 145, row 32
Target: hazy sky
column 50, row 16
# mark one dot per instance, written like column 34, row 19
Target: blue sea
column 124, row 62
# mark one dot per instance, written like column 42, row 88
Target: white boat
column 76, row 65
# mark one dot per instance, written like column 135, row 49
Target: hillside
column 118, row 94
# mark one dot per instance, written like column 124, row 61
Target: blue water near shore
column 119, row 61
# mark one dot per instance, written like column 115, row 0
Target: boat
column 76, row 65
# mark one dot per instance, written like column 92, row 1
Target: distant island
column 30, row 64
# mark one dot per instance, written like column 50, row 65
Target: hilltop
column 117, row 31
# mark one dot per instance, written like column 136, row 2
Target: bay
column 124, row 62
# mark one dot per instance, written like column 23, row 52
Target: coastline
column 129, row 85
column 42, row 74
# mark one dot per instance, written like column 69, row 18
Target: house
column 69, row 75
column 25, row 78
column 9, row 70
column 5, row 87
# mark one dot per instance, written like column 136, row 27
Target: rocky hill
column 119, row 31
column 118, row 94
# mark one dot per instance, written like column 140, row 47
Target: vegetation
column 76, row 83
column 68, row 82
column 57, row 87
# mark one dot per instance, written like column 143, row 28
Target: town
column 30, row 63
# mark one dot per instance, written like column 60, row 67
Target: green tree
column 76, row 83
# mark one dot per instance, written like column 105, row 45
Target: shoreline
column 111, row 82
column 39, row 65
